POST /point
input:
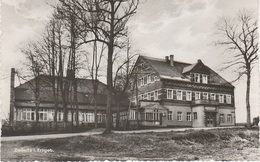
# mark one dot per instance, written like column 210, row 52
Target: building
column 23, row 103
column 177, row 94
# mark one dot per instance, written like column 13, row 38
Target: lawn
column 219, row 144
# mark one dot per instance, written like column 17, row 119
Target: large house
column 23, row 102
column 177, row 94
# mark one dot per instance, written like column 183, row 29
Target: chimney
column 199, row 60
column 166, row 58
column 172, row 60
column 12, row 98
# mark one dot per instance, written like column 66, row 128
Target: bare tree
column 35, row 67
column 112, row 17
column 122, row 77
column 240, row 36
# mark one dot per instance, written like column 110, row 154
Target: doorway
column 210, row 119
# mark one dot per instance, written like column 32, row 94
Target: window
column 152, row 96
column 169, row 94
column 142, row 81
column 148, row 79
column 148, row 116
column 99, row 118
column 156, row 114
column 188, row 95
column 152, row 78
column 179, row 95
column 195, row 116
column 60, row 115
column 26, row 114
column 155, row 78
column 155, row 95
column 132, row 115
column 188, row 116
column 204, row 79
column 229, row 118
column 90, row 117
column 19, row 114
column 145, row 79
column 179, row 116
column 213, row 96
column 197, row 78
column 148, row 96
column 197, row 95
column 221, row 118
column 43, row 114
column 170, row 117
column 205, row 95
column 221, row 98
column 228, row 98
column 83, row 116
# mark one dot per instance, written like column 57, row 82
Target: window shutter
column 192, row 77
column 217, row 97
column 184, row 95
column 225, row 98
column 174, row 94
column 193, row 96
column 208, row 78
column 200, row 78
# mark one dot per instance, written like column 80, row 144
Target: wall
column 178, row 108
column 200, row 121
column 226, row 111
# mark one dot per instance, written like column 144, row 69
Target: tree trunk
column 248, row 99
column 117, row 113
column 95, row 107
column 110, row 89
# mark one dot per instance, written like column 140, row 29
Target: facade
column 177, row 94
column 24, row 102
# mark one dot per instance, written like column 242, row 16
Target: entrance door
column 210, row 119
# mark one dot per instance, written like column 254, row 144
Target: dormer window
column 197, row 78
column 204, row 79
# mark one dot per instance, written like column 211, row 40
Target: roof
column 85, row 91
column 165, row 70
column 154, row 106
column 180, row 70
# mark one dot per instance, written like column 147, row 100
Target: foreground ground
column 218, row 144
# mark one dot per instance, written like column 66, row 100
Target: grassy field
column 219, row 144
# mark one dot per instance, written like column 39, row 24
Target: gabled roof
column 180, row 70
column 165, row 70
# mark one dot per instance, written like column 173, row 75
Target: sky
column 184, row 28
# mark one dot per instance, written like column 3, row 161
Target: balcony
column 204, row 102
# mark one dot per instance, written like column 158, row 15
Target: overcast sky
column 184, row 28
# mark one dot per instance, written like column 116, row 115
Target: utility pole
column 12, row 98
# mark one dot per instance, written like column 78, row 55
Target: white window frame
column 179, row 96
column 221, row 118
column 228, row 99
column 213, row 96
column 142, row 81
column 148, row 78
column 90, row 117
column 205, row 79
column 179, row 116
column 155, row 95
column 188, row 97
column 197, row 97
column 229, row 118
column 44, row 116
column 197, row 77
column 170, row 115
column 188, row 116
column 148, row 96
column 221, row 98
column 195, row 115
column 206, row 94
column 169, row 94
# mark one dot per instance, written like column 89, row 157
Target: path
column 100, row 131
